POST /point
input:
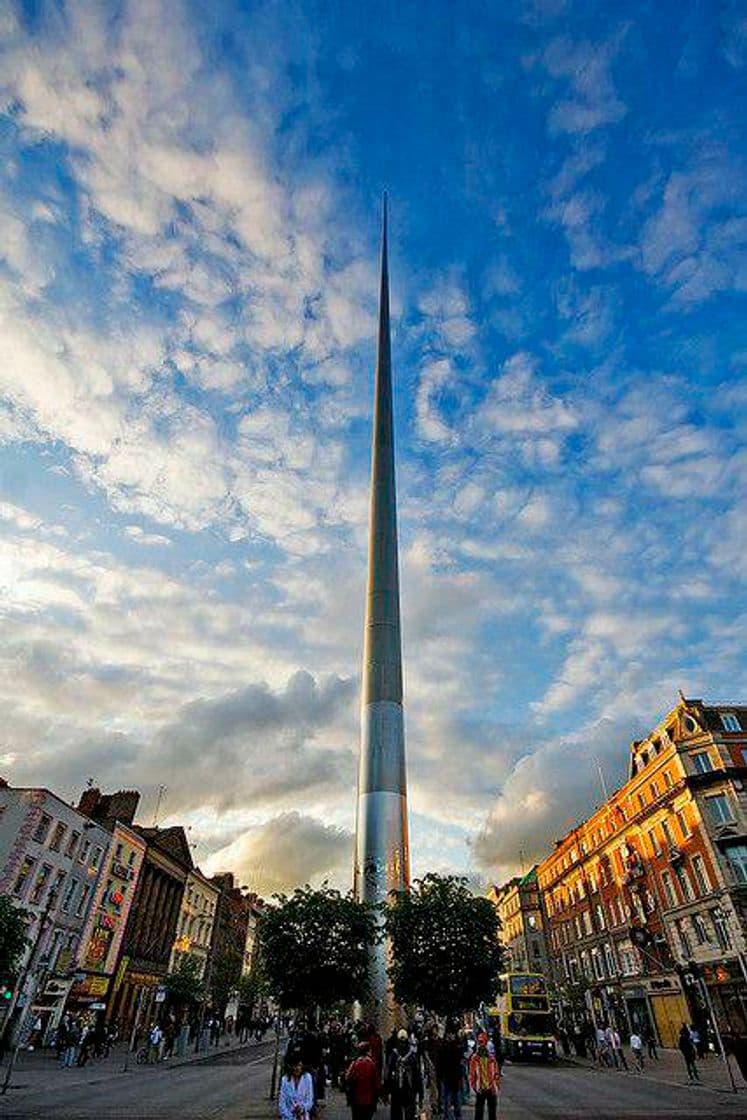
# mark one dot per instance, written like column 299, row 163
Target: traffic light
column 6, row 992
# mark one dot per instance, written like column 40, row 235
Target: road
column 235, row 1086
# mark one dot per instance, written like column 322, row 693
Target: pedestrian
column 650, row 1039
column 61, row 1038
column 687, row 1049
column 71, row 1044
column 296, row 1094
column 636, row 1049
column 484, row 1079
column 363, row 1083
column 403, row 1084
column 450, row 1074
column 155, row 1038
column 84, row 1045
column 617, row 1050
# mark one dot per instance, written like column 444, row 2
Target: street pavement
column 235, row 1085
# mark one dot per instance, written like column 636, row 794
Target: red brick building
column 651, row 890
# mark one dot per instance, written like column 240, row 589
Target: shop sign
column 98, row 1007
column 91, row 987
column 121, row 871
column 160, row 995
column 722, row 973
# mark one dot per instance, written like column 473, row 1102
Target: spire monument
column 382, row 858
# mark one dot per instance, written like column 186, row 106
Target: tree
column 184, row 986
column 314, row 948
column 13, row 938
column 224, row 978
column 251, row 990
column 445, row 954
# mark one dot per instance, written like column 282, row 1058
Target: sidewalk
column 670, row 1070
column 39, row 1069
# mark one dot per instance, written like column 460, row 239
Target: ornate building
column 519, row 906
column 647, row 899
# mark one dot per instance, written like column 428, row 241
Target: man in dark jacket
column 404, row 1079
column 449, row 1067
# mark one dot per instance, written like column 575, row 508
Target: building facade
column 194, row 932
column 51, row 864
column 646, row 901
column 151, row 927
column 519, row 906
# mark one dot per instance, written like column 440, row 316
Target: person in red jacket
column 363, row 1084
column 484, row 1079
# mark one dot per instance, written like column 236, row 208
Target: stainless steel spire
column 382, row 859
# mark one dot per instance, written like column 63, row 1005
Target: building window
column 641, row 801
column 683, row 938
column 668, row 835
column 609, row 959
column 131, row 858
column 655, row 791
column 701, row 761
column 701, row 933
column 598, row 963
column 22, row 879
column 653, row 838
column 669, row 893
column 683, row 823
column 96, row 857
column 730, row 721
column 719, row 808
column 42, row 828
column 83, row 900
column 721, row 928
column 118, row 852
column 84, row 850
column 57, row 837
column 59, row 882
column 69, row 892
column 668, row 779
column 40, row 885
column 628, row 960
column 701, row 876
column 684, row 881
column 737, row 857
column 601, row 920
column 72, row 844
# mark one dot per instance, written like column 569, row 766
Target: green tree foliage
column 183, row 985
column 444, row 946
column 252, row 989
column 224, row 978
column 13, row 938
column 314, row 948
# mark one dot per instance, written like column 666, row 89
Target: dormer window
column 730, row 721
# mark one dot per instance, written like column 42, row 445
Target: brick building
column 151, row 928
column 652, row 888
column 519, row 906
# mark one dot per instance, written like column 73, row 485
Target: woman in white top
column 296, row 1094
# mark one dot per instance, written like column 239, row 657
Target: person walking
column 450, row 1066
column 296, row 1098
column 617, row 1050
column 687, row 1049
column 404, row 1080
column 363, row 1084
column 484, row 1079
column 650, row 1039
column 636, row 1049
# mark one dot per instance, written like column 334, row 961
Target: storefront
column 728, row 992
column 669, row 1008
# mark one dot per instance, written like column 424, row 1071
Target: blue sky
column 189, row 208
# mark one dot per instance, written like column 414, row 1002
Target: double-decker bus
column 523, row 1016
